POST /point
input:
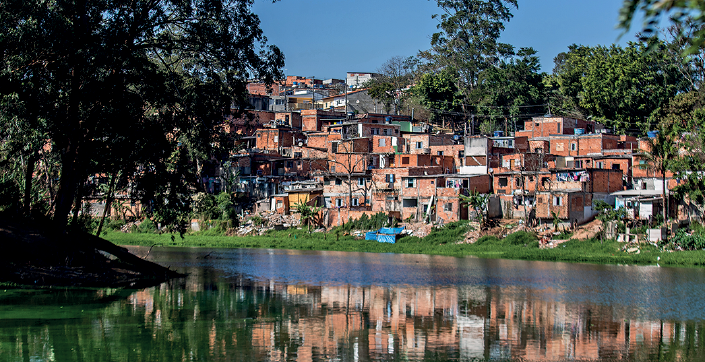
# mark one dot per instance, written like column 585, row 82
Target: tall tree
column 467, row 42
column 439, row 94
column 512, row 90
column 124, row 82
column 621, row 87
column 397, row 73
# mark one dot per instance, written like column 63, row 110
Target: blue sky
column 327, row 38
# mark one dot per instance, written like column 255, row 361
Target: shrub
column 116, row 224
column 146, row 227
column 520, row 238
column 378, row 220
column 487, row 239
column 682, row 239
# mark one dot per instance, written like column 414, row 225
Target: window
column 389, row 177
column 289, row 164
column 375, row 131
column 338, row 181
column 599, row 165
column 382, row 142
column 409, row 203
column 615, row 166
column 461, row 154
column 448, row 207
column 396, row 131
column 440, row 153
column 502, row 181
column 578, row 164
column 385, row 131
column 334, row 147
column 419, row 145
column 410, row 182
column 517, row 162
column 338, row 202
column 405, row 160
column 573, row 146
column 557, row 201
column 518, row 182
column 297, row 155
column 505, row 163
column 280, row 204
column 361, row 181
column 355, row 202
column 391, row 198
column 332, row 168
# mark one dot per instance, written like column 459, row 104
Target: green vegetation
column 441, row 241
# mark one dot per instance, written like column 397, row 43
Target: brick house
column 315, row 119
column 273, row 139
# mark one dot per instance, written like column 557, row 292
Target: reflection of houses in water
column 307, row 323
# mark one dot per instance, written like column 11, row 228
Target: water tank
column 579, row 131
column 652, row 134
column 387, row 120
column 499, row 133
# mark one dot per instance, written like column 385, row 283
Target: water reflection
column 256, row 305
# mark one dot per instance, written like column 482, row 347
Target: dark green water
column 276, row 305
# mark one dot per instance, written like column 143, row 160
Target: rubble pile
column 270, row 221
column 418, row 229
column 588, row 231
column 500, row 231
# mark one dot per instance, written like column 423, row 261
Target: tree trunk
column 33, row 158
column 108, row 201
column 67, row 188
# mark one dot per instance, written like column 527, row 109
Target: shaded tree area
column 511, row 92
column 106, row 87
column 620, row 87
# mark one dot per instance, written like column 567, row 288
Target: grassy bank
column 520, row 245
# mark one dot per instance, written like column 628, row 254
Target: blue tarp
column 384, row 235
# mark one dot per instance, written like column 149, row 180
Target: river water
column 276, row 305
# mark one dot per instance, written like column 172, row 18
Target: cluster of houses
column 351, row 160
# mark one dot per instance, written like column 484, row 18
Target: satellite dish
column 301, row 143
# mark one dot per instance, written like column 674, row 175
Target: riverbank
column 520, row 246
column 37, row 254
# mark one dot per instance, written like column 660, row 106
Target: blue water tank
column 579, row 131
column 499, row 133
column 652, row 134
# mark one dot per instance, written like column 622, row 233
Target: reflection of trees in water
column 263, row 321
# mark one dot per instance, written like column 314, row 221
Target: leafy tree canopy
column 467, row 42
column 114, row 84
column 679, row 11
column 621, row 87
